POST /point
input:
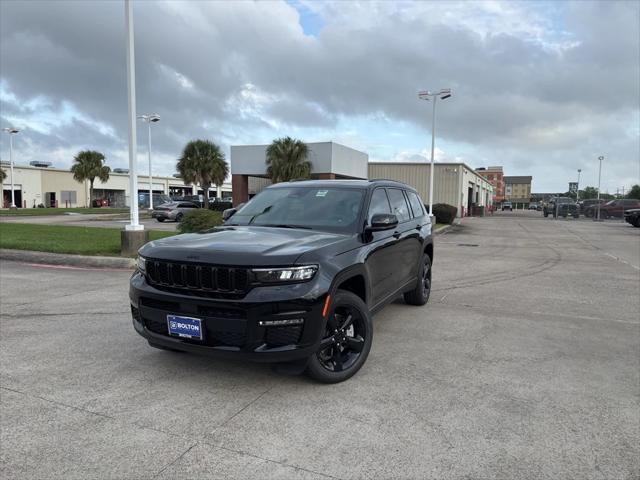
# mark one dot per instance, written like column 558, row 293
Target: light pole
column 578, row 186
column 150, row 118
column 11, row 131
column 426, row 95
column 599, row 178
column 131, row 93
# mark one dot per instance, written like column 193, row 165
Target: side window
column 399, row 205
column 379, row 203
column 416, row 204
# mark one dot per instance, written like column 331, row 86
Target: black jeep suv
column 293, row 277
column 561, row 207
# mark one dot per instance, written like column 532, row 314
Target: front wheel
column 160, row 219
column 420, row 294
column 179, row 217
column 346, row 340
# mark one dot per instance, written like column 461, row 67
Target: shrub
column 444, row 213
column 200, row 220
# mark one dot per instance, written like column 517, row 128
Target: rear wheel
column 420, row 294
column 160, row 219
column 179, row 217
column 346, row 340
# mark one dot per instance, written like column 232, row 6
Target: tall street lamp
column 578, row 186
column 426, row 95
column 601, row 158
column 150, row 118
column 11, row 131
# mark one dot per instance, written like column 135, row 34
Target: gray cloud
column 538, row 90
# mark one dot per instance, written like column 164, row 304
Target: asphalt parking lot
column 89, row 220
column 525, row 364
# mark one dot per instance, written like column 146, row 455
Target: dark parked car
column 293, row 277
column 632, row 216
column 585, row 205
column 172, row 211
column 614, row 208
column 507, row 206
column 560, row 207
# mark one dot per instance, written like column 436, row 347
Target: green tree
column 89, row 164
column 3, row 175
column 589, row 192
column 634, row 192
column 202, row 163
column 287, row 160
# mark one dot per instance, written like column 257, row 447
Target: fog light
column 281, row 323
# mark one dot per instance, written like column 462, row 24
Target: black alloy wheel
column 422, row 291
column 179, row 217
column 346, row 340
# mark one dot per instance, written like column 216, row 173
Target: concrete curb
column 47, row 258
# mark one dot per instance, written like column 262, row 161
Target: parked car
column 99, row 202
column 507, row 206
column 587, row 203
column 294, row 276
column 172, row 211
column 614, row 208
column 632, row 216
column 560, row 207
column 533, row 206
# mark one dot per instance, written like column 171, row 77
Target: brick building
column 495, row 177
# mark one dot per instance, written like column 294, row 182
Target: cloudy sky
column 541, row 88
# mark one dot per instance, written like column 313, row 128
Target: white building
column 56, row 187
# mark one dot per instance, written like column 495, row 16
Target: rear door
column 408, row 243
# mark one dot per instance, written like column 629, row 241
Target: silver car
column 172, row 211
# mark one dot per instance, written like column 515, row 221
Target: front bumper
column 231, row 327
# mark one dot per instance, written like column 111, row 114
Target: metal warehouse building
column 456, row 184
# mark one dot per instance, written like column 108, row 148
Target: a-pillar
column 239, row 188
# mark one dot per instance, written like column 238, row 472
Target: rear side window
column 399, row 205
column 379, row 203
column 416, row 204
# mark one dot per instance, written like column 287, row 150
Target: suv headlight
column 141, row 264
column 285, row 275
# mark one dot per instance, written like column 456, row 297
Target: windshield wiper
column 285, row 225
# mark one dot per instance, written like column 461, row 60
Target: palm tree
column 202, row 163
column 287, row 160
column 88, row 165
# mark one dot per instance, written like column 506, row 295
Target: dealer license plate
column 185, row 327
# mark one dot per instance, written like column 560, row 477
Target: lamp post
column 601, row 158
column 426, row 95
column 578, row 186
column 150, row 118
column 11, row 131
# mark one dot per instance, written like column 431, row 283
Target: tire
column 421, row 293
column 603, row 215
column 160, row 219
column 346, row 340
column 636, row 222
column 179, row 217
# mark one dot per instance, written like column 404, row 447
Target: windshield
column 318, row 208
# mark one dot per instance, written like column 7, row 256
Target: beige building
column 53, row 187
column 517, row 190
column 456, row 184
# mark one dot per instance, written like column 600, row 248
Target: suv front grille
column 203, row 278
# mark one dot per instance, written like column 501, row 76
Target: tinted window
column 379, row 203
column 416, row 204
column 322, row 208
column 399, row 205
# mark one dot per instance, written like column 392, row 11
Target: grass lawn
column 61, row 239
column 58, row 211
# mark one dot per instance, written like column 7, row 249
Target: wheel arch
column 354, row 280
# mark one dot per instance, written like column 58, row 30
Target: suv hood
column 241, row 245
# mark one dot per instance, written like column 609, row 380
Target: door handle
column 396, row 234
column 418, row 227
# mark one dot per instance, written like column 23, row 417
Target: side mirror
column 382, row 221
column 230, row 212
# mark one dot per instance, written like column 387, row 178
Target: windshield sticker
column 321, row 193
